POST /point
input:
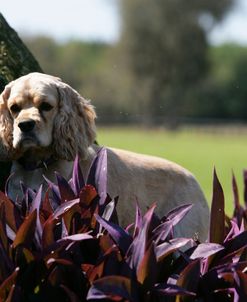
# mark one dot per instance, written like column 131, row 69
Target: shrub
column 68, row 246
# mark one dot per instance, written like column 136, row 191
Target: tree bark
column 15, row 58
column 15, row 61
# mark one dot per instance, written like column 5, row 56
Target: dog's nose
column 26, row 126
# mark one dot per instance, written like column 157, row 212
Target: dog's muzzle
column 27, row 137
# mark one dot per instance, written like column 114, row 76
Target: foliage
column 166, row 44
column 219, row 95
column 67, row 246
column 162, row 69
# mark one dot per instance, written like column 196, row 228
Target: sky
column 98, row 20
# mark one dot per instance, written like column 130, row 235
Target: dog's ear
column 6, row 126
column 74, row 126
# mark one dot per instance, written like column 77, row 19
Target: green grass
column 197, row 150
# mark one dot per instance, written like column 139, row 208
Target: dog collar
column 31, row 166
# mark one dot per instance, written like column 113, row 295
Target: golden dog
column 44, row 123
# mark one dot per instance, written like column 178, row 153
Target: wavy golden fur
column 42, row 118
column 74, row 121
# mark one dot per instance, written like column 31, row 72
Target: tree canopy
column 166, row 44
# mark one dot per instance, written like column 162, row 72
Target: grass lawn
column 198, row 150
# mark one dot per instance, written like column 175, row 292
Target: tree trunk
column 15, row 61
column 15, row 58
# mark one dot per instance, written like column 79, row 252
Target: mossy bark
column 15, row 61
column 15, row 58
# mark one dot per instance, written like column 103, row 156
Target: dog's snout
column 26, row 126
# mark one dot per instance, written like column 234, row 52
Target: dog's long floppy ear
column 74, row 127
column 6, row 126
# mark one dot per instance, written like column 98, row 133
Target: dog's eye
column 45, row 106
column 15, row 108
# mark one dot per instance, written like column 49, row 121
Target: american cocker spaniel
column 44, row 124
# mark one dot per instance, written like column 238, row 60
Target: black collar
column 33, row 165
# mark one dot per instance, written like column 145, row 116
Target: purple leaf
column 109, row 212
column 234, row 231
column 138, row 247
column 71, row 295
column 28, row 194
column 6, row 264
column 36, row 206
column 190, row 276
column 147, row 270
column 233, row 256
column 101, row 176
column 37, row 200
column 236, row 243
column 65, row 190
column 64, row 231
column 238, row 209
column 245, row 187
column 12, row 215
column 217, row 218
column 205, row 250
column 119, row 235
column 162, row 231
column 138, row 220
column 98, row 174
column 172, row 290
column 177, row 214
column 113, row 288
column 241, row 285
column 55, row 191
column 7, row 284
column 14, row 294
column 61, row 210
column 3, row 231
column 235, row 191
column 76, row 237
column 26, row 231
column 77, row 177
column 232, row 247
column 217, row 274
column 87, row 195
column 109, row 209
column 169, row 247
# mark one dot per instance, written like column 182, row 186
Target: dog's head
column 40, row 111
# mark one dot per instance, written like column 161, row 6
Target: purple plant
column 68, row 246
column 150, row 270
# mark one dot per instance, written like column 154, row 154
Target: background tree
column 162, row 70
column 166, row 44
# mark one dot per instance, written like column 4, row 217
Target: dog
column 45, row 123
